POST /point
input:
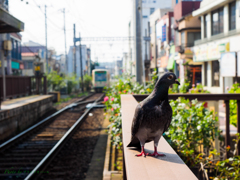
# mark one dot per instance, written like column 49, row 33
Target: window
column 144, row 16
column 232, row 15
column 205, row 73
column 191, row 37
column 215, row 73
column 205, row 25
column 217, row 21
column 152, row 10
column 183, row 38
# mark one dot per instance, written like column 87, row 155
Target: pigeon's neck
column 159, row 94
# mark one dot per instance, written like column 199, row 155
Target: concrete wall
column 20, row 118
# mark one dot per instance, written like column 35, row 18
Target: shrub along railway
column 25, row 155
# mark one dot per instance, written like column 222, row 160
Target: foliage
column 192, row 126
column 87, row 81
column 124, row 85
column 224, row 169
column 198, row 89
column 71, row 83
column 55, row 81
column 229, row 168
column 233, row 104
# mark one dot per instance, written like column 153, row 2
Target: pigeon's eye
column 170, row 77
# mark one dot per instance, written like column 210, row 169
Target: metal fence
column 17, row 86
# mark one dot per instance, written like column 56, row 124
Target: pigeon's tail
column 134, row 143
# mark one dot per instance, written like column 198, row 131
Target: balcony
column 181, row 48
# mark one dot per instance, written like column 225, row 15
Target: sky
column 93, row 18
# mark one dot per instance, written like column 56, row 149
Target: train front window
column 101, row 76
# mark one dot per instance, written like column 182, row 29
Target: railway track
column 23, row 156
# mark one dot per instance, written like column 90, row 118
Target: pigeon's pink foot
column 156, row 154
column 142, row 153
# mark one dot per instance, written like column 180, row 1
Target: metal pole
column 3, row 75
column 46, row 37
column 74, row 42
column 81, row 69
column 66, row 59
column 138, row 41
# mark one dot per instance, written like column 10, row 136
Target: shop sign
column 228, row 64
column 210, row 51
column 15, row 65
column 164, row 33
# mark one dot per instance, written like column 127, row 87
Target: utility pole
column 138, row 44
column 46, row 36
column 66, row 59
column 81, row 69
column 74, row 43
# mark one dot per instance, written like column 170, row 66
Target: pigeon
column 153, row 116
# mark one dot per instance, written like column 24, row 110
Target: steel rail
column 32, row 128
column 53, row 152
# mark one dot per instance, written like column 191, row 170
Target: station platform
column 18, row 114
column 18, row 102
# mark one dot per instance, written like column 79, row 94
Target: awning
column 9, row 23
column 171, row 63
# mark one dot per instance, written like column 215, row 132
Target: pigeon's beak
column 176, row 81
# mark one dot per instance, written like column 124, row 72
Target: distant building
column 71, row 64
column 29, row 52
column 218, row 49
column 148, row 8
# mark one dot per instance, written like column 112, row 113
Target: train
column 100, row 79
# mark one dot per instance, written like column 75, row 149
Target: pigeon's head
column 167, row 79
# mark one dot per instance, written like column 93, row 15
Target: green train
column 100, row 79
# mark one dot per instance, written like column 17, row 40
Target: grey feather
column 153, row 115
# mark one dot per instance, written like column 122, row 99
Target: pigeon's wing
column 135, row 126
column 168, row 118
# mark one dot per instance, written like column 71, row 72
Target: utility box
column 7, row 45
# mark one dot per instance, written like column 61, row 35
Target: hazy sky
column 93, row 18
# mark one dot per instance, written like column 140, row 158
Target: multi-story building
column 71, row 62
column 33, row 53
column 146, row 8
column 161, row 22
column 9, row 28
column 218, row 49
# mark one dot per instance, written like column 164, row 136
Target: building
column 146, row 9
column 161, row 22
column 14, row 59
column 218, row 49
column 33, row 53
column 71, row 62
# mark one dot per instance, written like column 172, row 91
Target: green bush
column 233, row 104
column 192, row 126
column 87, row 81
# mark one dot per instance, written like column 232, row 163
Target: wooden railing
column 211, row 97
column 169, row 167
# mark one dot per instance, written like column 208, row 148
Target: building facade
column 218, row 50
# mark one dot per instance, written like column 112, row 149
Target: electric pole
column 66, row 59
column 138, row 42
column 74, row 42
column 81, row 69
column 46, row 37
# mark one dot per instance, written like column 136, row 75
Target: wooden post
column 227, row 131
column 238, row 123
column 45, row 85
